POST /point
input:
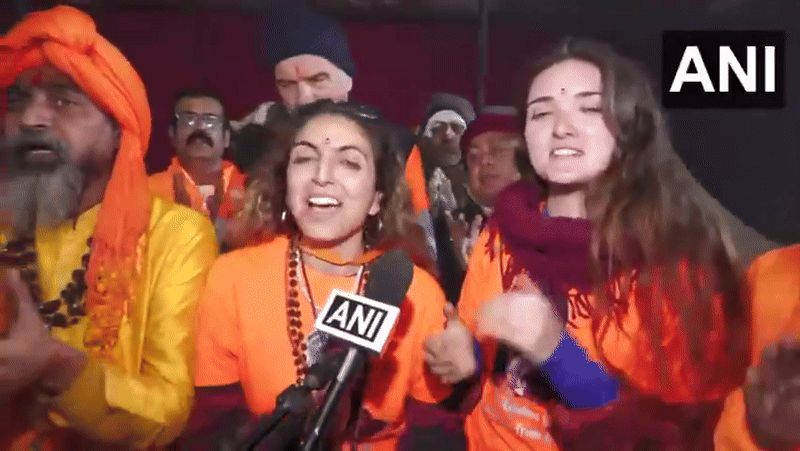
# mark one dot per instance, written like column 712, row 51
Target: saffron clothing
column 162, row 184
column 518, row 406
column 773, row 281
column 415, row 177
column 142, row 394
column 242, row 336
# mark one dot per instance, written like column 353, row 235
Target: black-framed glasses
column 204, row 121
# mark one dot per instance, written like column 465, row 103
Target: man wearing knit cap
column 494, row 156
column 311, row 58
column 446, row 118
column 106, row 276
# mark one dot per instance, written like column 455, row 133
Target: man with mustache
column 198, row 176
column 98, row 353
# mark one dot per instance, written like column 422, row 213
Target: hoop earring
column 283, row 216
column 259, row 212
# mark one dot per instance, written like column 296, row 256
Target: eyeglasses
column 203, row 121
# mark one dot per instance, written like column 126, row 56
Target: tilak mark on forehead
column 38, row 77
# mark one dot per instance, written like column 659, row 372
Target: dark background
column 407, row 49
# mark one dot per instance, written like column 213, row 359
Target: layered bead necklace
column 21, row 254
column 297, row 282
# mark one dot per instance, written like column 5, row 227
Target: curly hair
column 648, row 220
column 265, row 200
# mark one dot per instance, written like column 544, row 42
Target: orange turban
column 67, row 39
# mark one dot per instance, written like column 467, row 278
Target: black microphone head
column 323, row 371
column 390, row 277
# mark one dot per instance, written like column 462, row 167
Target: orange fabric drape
column 415, row 177
column 161, row 184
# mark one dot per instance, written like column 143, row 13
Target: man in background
column 198, row 176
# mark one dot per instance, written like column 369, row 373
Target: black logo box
column 674, row 43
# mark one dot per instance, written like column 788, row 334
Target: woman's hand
column 523, row 319
column 450, row 354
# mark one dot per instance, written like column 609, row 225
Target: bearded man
column 98, row 353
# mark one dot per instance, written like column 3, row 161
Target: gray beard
column 41, row 198
column 436, row 155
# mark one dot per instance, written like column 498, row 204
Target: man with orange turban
column 110, row 271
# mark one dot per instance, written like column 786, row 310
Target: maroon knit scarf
column 553, row 251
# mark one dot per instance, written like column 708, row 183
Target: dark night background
column 407, row 49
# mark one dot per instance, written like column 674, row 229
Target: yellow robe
column 143, row 397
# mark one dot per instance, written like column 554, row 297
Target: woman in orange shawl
column 606, row 266
column 331, row 204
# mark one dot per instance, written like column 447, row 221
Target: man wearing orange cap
column 98, row 354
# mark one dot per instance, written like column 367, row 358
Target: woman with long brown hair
column 604, row 297
column 326, row 208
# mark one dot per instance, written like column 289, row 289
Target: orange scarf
column 232, row 185
column 67, row 39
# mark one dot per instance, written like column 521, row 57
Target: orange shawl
column 415, row 177
column 232, row 180
column 67, row 39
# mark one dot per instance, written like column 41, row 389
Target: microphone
column 292, row 407
column 363, row 322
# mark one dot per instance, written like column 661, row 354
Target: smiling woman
column 339, row 175
column 326, row 207
column 606, row 299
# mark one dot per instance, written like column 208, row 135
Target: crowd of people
column 573, row 286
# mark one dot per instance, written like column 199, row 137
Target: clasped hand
column 29, row 355
column 772, row 396
column 522, row 319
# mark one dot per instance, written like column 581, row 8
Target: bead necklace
column 296, row 280
column 22, row 254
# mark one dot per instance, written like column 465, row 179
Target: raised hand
column 450, row 354
column 772, row 396
column 523, row 319
column 213, row 202
column 464, row 235
column 441, row 192
column 179, row 189
column 8, row 306
column 27, row 349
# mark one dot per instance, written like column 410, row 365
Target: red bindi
column 38, row 78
